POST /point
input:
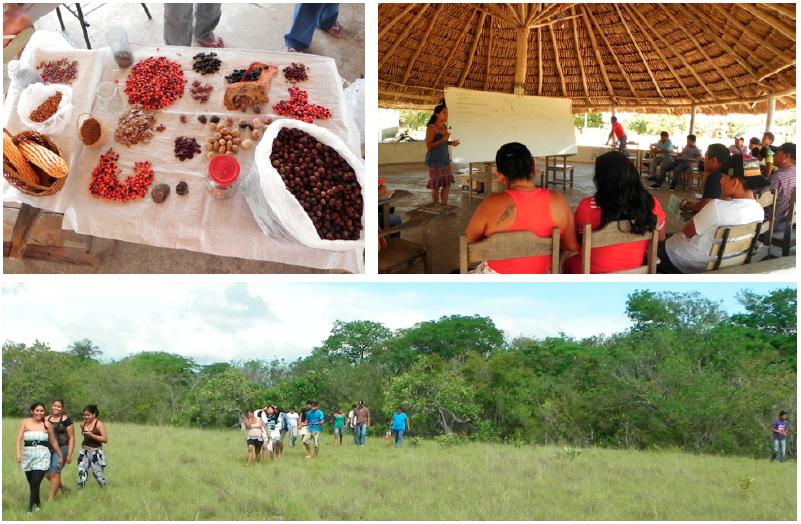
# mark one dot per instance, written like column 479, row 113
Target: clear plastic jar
column 117, row 40
column 223, row 176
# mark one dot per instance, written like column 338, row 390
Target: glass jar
column 108, row 98
column 223, row 176
column 117, row 40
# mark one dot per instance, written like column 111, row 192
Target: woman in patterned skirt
column 34, row 442
column 440, row 175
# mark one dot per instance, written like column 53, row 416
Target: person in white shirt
column 351, row 421
column 688, row 251
column 292, row 422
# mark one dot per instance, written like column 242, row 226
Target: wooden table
column 564, row 168
column 423, row 216
column 384, row 205
column 485, row 174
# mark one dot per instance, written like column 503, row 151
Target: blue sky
column 215, row 322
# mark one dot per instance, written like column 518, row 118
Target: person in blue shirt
column 780, row 428
column 660, row 152
column 314, row 424
column 399, row 426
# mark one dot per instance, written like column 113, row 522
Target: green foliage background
column 685, row 375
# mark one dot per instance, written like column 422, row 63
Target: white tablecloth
column 196, row 221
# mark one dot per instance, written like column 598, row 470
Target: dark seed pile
column 322, row 182
column 239, row 75
column 58, row 71
column 160, row 193
column 186, row 147
column 295, row 72
column 206, row 63
column 182, row 188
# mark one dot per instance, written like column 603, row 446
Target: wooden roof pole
column 580, row 61
column 522, row 12
column 745, row 65
column 772, row 21
column 558, row 63
column 421, row 43
column 402, row 37
column 533, row 11
column 771, row 110
column 476, row 38
column 659, row 51
column 721, row 102
column 777, row 70
column 521, row 63
column 742, row 31
column 782, row 9
column 489, row 56
column 693, row 110
column 639, row 51
column 683, row 60
column 590, row 32
column 539, row 61
column 703, row 52
column 455, row 47
column 614, row 56
column 498, row 11
column 395, row 20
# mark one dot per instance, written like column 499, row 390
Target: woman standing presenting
column 61, row 424
column 91, row 456
column 440, row 175
column 34, row 454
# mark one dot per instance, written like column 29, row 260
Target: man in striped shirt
column 784, row 181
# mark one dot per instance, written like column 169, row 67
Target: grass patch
column 166, row 473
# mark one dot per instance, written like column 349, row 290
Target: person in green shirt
column 339, row 426
column 660, row 152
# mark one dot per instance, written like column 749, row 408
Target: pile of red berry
column 155, row 83
column 106, row 184
column 295, row 72
column 299, row 108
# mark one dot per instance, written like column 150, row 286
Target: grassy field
column 182, row 474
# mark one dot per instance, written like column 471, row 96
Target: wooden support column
column 692, row 119
column 771, row 110
column 521, row 64
column 539, row 61
column 472, row 54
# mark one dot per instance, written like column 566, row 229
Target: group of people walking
column 268, row 428
column 45, row 444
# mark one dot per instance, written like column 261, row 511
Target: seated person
column 783, row 180
column 688, row 251
column 739, row 147
column 689, row 154
column 717, row 156
column 619, row 195
column 660, row 152
column 766, row 153
column 754, row 145
column 522, row 207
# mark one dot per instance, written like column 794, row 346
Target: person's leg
column 399, row 438
column 678, row 172
column 327, row 18
column 316, row 436
column 782, row 450
column 251, row 454
column 304, row 23
column 178, row 24
column 207, row 16
column 665, row 265
column 83, row 468
column 98, row 463
column 35, row 479
column 444, row 196
column 663, row 171
column 55, row 480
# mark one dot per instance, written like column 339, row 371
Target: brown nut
column 221, row 150
column 221, row 142
column 246, row 144
column 236, row 141
column 209, row 155
column 209, row 147
column 256, row 123
column 217, row 136
column 235, row 133
column 235, row 148
column 219, row 127
column 255, row 134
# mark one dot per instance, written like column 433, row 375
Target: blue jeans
column 398, row 434
column 361, row 433
column 678, row 167
column 779, row 449
column 307, row 18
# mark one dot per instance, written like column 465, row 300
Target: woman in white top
column 255, row 429
column 34, row 444
column 688, row 251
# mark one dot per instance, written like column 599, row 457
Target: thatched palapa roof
column 722, row 58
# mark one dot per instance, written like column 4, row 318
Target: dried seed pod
column 209, row 155
column 255, row 134
column 235, row 133
column 221, row 150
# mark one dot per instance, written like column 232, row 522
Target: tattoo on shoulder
column 506, row 213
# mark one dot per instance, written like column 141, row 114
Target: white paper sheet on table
column 197, row 221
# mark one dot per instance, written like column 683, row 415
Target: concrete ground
column 445, row 231
column 251, row 26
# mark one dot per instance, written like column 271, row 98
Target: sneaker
column 672, row 189
column 655, row 186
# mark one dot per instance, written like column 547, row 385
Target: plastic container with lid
column 223, row 176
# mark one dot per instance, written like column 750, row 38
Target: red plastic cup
column 223, row 175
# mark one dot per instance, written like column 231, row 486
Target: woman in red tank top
column 522, row 207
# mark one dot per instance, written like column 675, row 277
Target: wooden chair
column 693, row 176
column 510, row 244
column 733, row 245
column 787, row 239
column 618, row 233
column 400, row 256
column 768, row 201
column 564, row 169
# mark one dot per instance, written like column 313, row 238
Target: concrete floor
column 251, row 26
column 445, row 231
